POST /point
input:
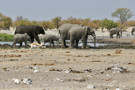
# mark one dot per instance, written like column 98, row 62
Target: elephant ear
column 37, row 30
column 87, row 30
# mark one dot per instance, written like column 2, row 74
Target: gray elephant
column 133, row 30
column 116, row 31
column 63, row 31
column 31, row 30
column 77, row 33
column 20, row 38
column 48, row 38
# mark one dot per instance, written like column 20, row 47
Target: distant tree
column 5, row 22
column 108, row 24
column 18, row 23
column 130, row 23
column 123, row 14
column 86, row 22
column 56, row 21
column 46, row 25
column 34, row 23
column 95, row 24
column 19, row 18
column 1, row 16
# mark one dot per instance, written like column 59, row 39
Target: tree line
column 123, row 14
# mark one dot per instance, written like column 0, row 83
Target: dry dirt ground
column 67, row 69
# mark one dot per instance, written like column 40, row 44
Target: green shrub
column 6, row 37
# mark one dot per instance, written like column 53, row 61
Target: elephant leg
column 53, row 43
column 50, row 43
column 20, row 45
column 25, row 43
column 72, row 43
column 84, row 43
column 77, row 41
column 64, row 43
column 119, row 35
column 13, row 44
column 32, row 39
column 110, row 35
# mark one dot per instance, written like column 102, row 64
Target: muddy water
column 80, row 44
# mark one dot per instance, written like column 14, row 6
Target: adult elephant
column 77, row 33
column 115, row 31
column 133, row 30
column 31, row 30
column 63, row 31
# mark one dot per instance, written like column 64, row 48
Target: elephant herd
column 72, row 32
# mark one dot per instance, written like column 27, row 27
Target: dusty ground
column 65, row 69
column 108, row 67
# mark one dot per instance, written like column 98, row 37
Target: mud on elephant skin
column 77, row 33
column 63, row 31
column 48, row 38
column 31, row 30
column 20, row 38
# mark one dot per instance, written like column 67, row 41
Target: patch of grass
column 6, row 37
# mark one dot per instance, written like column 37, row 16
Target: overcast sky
column 47, row 9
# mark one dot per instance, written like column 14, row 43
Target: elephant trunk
column 94, row 41
column 94, row 36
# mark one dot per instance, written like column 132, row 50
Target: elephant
column 20, row 38
column 63, row 31
column 48, row 38
column 115, row 31
column 77, row 33
column 133, row 30
column 31, row 30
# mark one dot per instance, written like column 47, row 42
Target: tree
column 123, row 14
column 108, row 24
column 5, row 22
column 56, row 21
column 95, row 24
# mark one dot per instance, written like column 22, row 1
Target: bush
column 6, row 37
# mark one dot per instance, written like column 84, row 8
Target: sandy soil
column 65, row 69
column 105, row 67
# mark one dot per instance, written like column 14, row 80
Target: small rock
column 27, row 81
column 16, row 81
column 67, row 71
column 88, row 70
column 35, row 68
column 36, row 71
column 117, row 68
column 90, row 86
column 59, row 80
column 117, row 89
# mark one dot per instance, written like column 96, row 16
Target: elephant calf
column 115, row 31
column 48, row 38
column 20, row 38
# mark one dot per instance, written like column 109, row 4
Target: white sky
column 40, row 10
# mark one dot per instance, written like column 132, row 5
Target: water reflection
column 56, row 43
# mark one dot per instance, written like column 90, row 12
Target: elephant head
column 90, row 31
column 27, row 37
column 39, row 30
